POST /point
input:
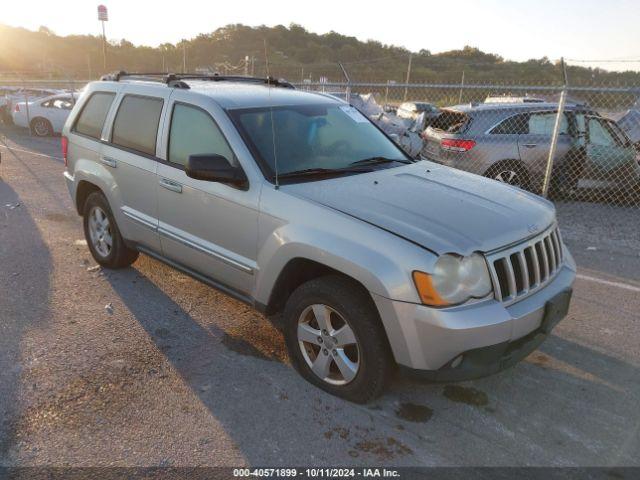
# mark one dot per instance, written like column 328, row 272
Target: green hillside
column 293, row 53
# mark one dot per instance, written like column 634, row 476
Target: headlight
column 454, row 280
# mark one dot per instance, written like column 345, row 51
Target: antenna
column 273, row 127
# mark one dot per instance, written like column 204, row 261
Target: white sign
column 103, row 16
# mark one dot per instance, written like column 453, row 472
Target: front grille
column 520, row 270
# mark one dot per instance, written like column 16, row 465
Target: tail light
column 456, row 145
column 64, row 145
column 17, row 108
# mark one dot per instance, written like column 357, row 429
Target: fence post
column 346, row 76
column 26, row 108
column 556, row 132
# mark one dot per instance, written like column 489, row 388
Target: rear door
column 130, row 156
column 58, row 111
column 535, row 144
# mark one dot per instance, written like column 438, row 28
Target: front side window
column 599, row 134
column 306, row 137
column 193, row 131
column 136, row 123
column 544, row 123
column 94, row 113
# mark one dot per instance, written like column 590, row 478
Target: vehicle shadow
column 24, row 305
column 240, row 374
column 569, row 403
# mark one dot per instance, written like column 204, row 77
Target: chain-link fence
column 568, row 143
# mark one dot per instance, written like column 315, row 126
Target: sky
column 515, row 29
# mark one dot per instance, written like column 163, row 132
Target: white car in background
column 45, row 116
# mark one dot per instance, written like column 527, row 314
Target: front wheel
column 103, row 236
column 335, row 338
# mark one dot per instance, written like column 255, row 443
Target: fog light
column 456, row 361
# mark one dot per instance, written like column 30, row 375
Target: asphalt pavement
column 147, row 367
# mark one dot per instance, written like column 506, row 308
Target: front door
column 209, row 227
column 611, row 159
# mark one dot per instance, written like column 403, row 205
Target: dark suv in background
column 511, row 143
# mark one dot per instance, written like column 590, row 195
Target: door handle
column 530, row 145
column 109, row 162
column 171, row 185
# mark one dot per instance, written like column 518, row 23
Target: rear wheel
column 335, row 338
column 41, row 127
column 103, row 236
column 510, row 172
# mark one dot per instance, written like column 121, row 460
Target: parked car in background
column 20, row 94
column 510, row 142
column 296, row 204
column 411, row 110
column 45, row 116
column 511, row 99
column 5, row 104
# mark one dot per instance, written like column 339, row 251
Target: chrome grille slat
column 520, row 270
column 536, row 265
column 545, row 260
column 551, row 254
column 525, row 271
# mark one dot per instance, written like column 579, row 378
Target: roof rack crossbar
column 178, row 79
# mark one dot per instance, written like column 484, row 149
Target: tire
column 41, row 127
column 348, row 305
column 99, row 224
column 511, row 172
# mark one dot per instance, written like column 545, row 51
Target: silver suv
column 295, row 203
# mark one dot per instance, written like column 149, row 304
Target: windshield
column 312, row 137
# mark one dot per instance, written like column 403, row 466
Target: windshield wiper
column 321, row 171
column 377, row 160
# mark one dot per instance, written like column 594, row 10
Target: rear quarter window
column 136, row 124
column 93, row 114
column 450, row 121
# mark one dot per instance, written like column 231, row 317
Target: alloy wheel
column 328, row 344
column 100, row 231
column 41, row 128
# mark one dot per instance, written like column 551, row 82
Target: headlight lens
column 454, row 280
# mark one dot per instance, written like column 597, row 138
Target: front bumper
column 488, row 335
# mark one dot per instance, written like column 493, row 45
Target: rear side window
column 193, row 131
column 450, row 121
column 515, row 125
column 94, row 112
column 136, row 123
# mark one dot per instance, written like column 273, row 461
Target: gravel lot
column 146, row 366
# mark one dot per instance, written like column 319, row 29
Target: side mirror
column 212, row 167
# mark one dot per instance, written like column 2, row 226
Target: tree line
column 289, row 52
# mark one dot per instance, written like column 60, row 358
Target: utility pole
column 103, row 16
column 461, row 87
column 89, row 66
column 184, row 57
column 406, row 87
column 246, row 65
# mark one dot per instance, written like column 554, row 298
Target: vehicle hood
column 437, row 207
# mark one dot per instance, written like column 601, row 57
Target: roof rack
column 177, row 80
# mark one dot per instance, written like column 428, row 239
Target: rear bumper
column 488, row 335
column 71, row 185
